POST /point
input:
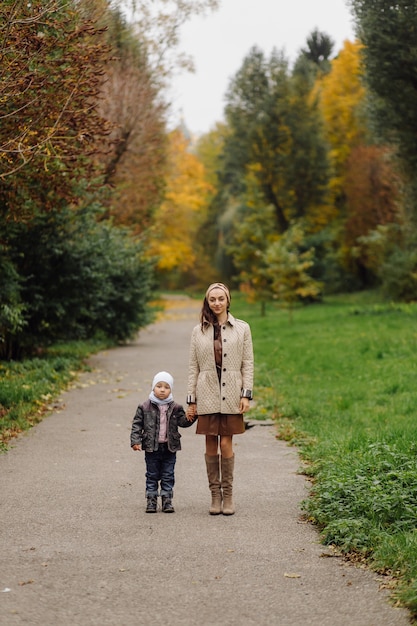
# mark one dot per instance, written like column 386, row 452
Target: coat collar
column 230, row 320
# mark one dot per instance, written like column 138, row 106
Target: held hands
column 136, row 447
column 191, row 412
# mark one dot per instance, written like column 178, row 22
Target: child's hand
column 191, row 412
column 136, row 447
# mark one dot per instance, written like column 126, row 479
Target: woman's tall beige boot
column 213, row 474
column 227, row 484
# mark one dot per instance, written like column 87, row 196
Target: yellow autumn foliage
column 172, row 238
column 341, row 95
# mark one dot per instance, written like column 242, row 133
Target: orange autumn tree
column 373, row 194
column 172, row 239
column 341, row 97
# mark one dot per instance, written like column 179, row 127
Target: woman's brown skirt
column 220, row 424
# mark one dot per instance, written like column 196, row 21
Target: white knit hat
column 163, row 377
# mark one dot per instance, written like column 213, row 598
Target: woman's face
column 217, row 301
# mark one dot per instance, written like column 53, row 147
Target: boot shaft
column 213, row 475
column 228, row 466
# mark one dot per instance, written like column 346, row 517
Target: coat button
column 224, row 384
column 223, row 399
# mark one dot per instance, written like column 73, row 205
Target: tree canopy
column 276, row 133
column 387, row 31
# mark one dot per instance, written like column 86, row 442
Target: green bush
column 79, row 278
column 399, row 275
column 12, row 319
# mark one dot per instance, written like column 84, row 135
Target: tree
column 135, row 161
column 372, row 190
column 319, row 49
column 209, row 150
column 51, row 69
column 63, row 275
column 158, row 27
column 289, row 265
column 341, row 98
column 251, row 239
column 172, row 239
column 134, row 93
column 387, row 31
column 275, row 130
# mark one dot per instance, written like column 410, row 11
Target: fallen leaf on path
column 328, row 555
column 292, row 575
column 25, row 582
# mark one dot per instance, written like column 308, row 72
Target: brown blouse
column 218, row 351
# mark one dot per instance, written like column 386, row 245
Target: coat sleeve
column 182, row 419
column 136, row 433
column 247, row 360
column 193, row 368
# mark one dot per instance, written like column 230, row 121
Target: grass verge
column 28, row 388
column 340, row 382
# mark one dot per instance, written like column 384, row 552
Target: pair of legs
column 220, row 464
column 219, row 444
column 160, row 467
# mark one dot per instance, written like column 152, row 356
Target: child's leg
column 168, row 473
column 153, row 472
column 168, row 480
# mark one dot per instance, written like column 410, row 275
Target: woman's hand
column 191, row 412
column 136, row 447
column 244, row 405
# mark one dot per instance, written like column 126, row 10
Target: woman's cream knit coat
column 237, row 367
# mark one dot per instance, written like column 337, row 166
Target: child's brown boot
column 167, row 506
column 151, row 504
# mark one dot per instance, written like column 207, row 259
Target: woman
column 220, row 383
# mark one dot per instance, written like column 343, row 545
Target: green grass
column 28, row 388
column 340, row 380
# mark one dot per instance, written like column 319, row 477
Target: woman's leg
column 227, row 462
column 213, row 473
column 226, row 446
column 212, row 444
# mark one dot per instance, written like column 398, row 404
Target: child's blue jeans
column 160, row 467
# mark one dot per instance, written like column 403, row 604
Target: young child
column 155, row 430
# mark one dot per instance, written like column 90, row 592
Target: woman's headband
column 219, row 286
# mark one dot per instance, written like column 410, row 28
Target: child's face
column 162, row 390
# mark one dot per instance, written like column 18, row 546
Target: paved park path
column 77, row 548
